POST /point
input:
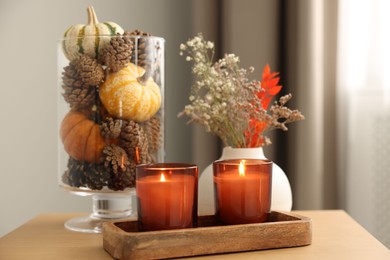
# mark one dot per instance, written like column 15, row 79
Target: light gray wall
column 28, row 94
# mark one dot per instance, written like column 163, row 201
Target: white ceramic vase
column 281, row 189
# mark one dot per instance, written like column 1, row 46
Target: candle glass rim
column 166, row 166
column 248, row 161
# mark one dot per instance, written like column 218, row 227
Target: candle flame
column 162, row 178
column 241, row 169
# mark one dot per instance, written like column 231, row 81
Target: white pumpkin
column 89, row 38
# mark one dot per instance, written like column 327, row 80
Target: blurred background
column 333, row 56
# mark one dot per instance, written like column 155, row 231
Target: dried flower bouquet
column 230, row 105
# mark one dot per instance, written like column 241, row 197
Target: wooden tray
column 123, row 240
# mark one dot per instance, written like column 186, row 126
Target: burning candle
column 167, row 195
column 242, row 190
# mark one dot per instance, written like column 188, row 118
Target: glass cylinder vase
column 110, row 119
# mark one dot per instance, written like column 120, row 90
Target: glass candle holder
column 110, row 119
column 242, row 190
column 167, row 196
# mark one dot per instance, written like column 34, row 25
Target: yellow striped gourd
column 89, row 38
column 125, row 96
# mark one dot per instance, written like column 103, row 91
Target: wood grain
column 123, row 240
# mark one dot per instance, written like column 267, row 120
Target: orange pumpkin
column 81, row 137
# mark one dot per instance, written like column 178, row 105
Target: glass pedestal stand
column 105, row 207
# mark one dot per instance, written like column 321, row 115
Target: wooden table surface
column 335, row 236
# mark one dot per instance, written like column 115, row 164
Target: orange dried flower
column 269, row 85
column 269, row 88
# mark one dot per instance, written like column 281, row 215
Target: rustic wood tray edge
column 122, row 240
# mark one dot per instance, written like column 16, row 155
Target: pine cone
column 79, row 80
column 111, row 128
column 75, row 92
column 137, row 32
column 118, row 53
column 96, row 177
column 115, row 159
column 71, row 78
column 74, row 176
column 133, row 139
column 79, row 97
column 89, row 71
column 152, row 128
column 120, row 168
column 124, row 179
column 83, row 174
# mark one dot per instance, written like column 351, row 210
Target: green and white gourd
column 89, row 38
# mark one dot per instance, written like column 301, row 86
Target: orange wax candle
column 167, row 196
column 242, row 190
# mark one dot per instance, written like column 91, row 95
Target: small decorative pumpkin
column 125, row 95
column 89, row 38
column 81, row 137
